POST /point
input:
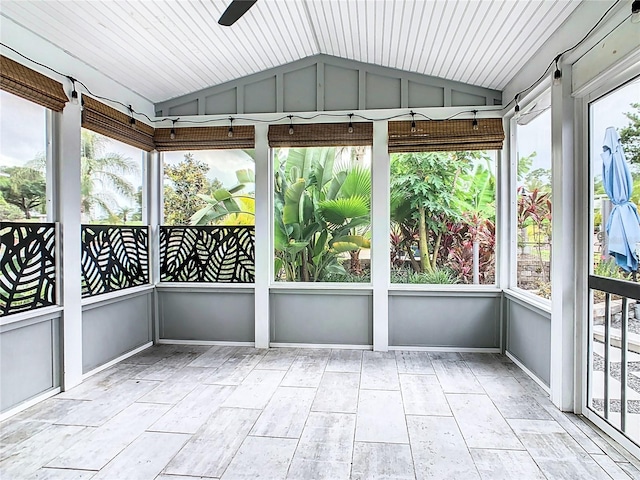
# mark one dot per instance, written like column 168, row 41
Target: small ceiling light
column 413, row 122
column 475, row 120
column 635, row 11
column 172, row 135
column 557, row 74
column 230, row 132
column 350, row 128
column 290, row 124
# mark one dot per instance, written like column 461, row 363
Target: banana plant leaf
column 358, row 240
column 292, row 198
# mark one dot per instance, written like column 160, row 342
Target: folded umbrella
column 623, row 225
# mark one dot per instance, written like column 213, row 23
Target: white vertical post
column 67, row 164
column 506, row 225
column 263, row 251
column 563, row 265
column 380, row 218
column 152, row 210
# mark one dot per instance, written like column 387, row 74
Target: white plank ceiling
column 163, row 49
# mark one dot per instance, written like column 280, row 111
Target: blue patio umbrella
column 623, row 226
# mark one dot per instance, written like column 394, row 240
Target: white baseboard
column 168, row 341
column 29, row 403
column 321, row 345
column 533, row 376
column 116, row 360
column 445, row 349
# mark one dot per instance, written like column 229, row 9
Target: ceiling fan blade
column 234, row 11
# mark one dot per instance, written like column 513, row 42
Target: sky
column 22, row 130
column 223, row 164
column 607, row 111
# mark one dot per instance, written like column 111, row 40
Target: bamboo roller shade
column 321, row 135
column 205, row 138
column 31, row 85
column 446, row 135
column 114, row 124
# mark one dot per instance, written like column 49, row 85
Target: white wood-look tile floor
column 186, row 412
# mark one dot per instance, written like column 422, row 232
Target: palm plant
column 103, row 175
column 320, row 211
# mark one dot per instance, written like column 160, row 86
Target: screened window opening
column 23, row 160
column 322, row 214
column 534, row 199
column 443, row 213
column 208, row 230
column 111, row 181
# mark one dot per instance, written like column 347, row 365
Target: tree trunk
column 417, row 266
column 435, row 251
column 305, row 269
column 424, row 242
column 355, row 267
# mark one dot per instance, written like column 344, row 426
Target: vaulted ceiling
column 163, row 49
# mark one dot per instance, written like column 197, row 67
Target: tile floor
column 186, row 412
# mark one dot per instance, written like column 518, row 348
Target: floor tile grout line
column 461, row 435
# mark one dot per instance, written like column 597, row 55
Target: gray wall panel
column 206, row 316
column 221, row 103
column 300, row 90
column 421, row 95
column 463, row 99
column 382, row 92
column 113, row 329
column 321, row 317
column 260, row 97
column 341, row 88
column 529, row 337
column 29, row 361
column 438, row 320
column 190, row 108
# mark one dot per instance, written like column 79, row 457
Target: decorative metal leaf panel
column 27, row 266
column 207, row 254
column 113, row 258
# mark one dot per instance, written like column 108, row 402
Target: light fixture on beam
column 172, row 135
column 132, row 121
column 557, row 73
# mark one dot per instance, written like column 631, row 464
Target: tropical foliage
column 104, row 178
column 630, row 135
column 322, row 201
column 24, row 188
column 441, row 204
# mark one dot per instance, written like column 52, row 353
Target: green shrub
column 440, row 276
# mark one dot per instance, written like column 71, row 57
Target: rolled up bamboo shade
column 446, row 135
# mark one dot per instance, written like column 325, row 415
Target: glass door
column 613, row 376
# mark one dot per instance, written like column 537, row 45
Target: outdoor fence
column 223, row 254
column 114, row 257
column 28, row 266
